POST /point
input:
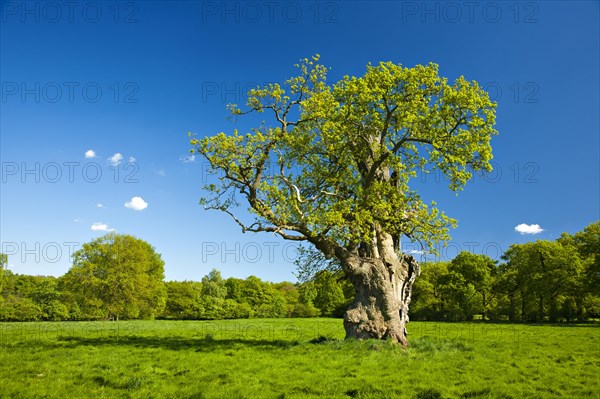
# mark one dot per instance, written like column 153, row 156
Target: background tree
column 333, row 169
column 274, row 307
column 183, row 300
column 213, row 297
column 234, row 289
column 45, row 293
column 429, row 290
column 256, row 292
column 445, row 290
column 507, row 288
column 18, row 293
column 477, row 273
column 236, row 305
column 307, row 294
column 290, row 294
column 546, row 273
column 587, row 245
column 118, row 276
column 462, row 301
column 330, row 299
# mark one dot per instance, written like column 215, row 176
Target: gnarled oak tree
column 333, row 165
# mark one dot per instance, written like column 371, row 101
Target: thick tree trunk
column 383, row 293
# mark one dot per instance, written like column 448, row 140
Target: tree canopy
column 336, row 159
column 117, row 275
column 333, row 164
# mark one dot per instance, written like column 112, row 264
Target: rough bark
column 383, row 294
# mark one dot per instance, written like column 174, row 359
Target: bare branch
column 256, row 227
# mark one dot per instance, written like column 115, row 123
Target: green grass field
column 295, row 358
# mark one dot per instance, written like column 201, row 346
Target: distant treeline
column 120, row 276
column 33, row 298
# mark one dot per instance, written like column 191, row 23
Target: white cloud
column 132, row 159
column 529, row 228
column 90, row 154
column 116, row 159
column 137, row 204
column 77, row 220
column 416, row 252
column 101, row 227
column 161, row 173
column 188, row 158
column 99, row 205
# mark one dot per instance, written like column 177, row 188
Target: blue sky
column 133, row 78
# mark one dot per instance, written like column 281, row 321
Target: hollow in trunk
column 383, row 293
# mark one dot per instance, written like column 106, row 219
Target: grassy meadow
column 295, row 358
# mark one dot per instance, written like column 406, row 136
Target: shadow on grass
column 211, row 344
column 206, row 344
